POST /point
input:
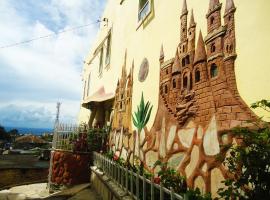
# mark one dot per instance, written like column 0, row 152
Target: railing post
column 131, row 183
column 144, row 188
column 152, row 188
column 137, row 186
column 161, row 192
column 122, row 176
column 172, row 193
column 126, row 173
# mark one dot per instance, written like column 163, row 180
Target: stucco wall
column 163, row 28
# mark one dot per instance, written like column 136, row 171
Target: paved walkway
column 39, row 192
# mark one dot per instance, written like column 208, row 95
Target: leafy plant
column 141, row 117
column 197, row 195
column 249, row 162
column 171, row 179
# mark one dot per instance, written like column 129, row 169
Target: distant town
column 25, row 141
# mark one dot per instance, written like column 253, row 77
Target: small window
column 108, row 50
column 183, row 62
column 185, row 81
column 167, row 72
column 144, row 9
column 161, row 91
column 191, row 84
column 88, row 89
column 230, row 17
column 212, row 19
column 227, row 48
column 213, row 48
column 166, row 89
column 197, row 76
column 101, row 61
column 174, row 83
column 187, row 59
column 184, row 30
column 213, row 70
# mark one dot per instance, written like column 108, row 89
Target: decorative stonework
column 144, row 70
column 198, row 102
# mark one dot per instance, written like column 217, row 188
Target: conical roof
column 200, row 53
column 161, row 56
column 192, row 21
column 213, row 3
column 229, row 6
column 184, row 8
column 176, row 65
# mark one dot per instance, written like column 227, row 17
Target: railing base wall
column 106, row 187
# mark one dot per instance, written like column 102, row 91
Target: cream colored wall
column 252, row 34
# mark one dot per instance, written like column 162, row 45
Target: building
column 194, row 94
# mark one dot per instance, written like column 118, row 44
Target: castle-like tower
column 200, row 81
column 123, row 99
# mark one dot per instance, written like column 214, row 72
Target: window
column 187, row 60
column 108, row 50
column 213, row 70
column 212, row 19
column 166, row 89
column 197, row 76
column 174, row 83
column 167, row 72
column 144, row 9
column 183, row 62
column 88, row 89
column 101, row 61
column 191, row 83
column 213, row 48
column 185, row 81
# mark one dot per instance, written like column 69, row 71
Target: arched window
column 190, row 84
column 166, row 89
column 197, row 75
column 187, row 59
column 213, row 48
column 183, row 62
column 227, row 48
column 212, row 19
column 185, row 81
column 167, row 72
column 183, row 48
column 213, row 70
column 174, row 83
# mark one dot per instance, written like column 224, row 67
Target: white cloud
column 37, row 74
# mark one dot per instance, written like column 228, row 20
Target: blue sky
column 34, row 76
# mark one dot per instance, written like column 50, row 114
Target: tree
column 141, row 118
column 249, row 162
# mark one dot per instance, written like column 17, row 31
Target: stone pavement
column 40, row 192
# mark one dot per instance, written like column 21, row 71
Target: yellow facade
column 143, row 39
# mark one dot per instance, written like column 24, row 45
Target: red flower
column 157, row 180
column 115, row 157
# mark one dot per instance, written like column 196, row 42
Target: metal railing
column 135, row 185
column 63, row 136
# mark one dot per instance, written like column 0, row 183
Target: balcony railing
column 135, row 185
column 63, row 136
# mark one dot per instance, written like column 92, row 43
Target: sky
column 34, row 76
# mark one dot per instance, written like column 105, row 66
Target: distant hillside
column 35, row 131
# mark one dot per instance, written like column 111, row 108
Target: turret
column 161, row 56
column 191, row 35
column 183, row 19
column 200, row 53
column 229, row 39
column 213, row 16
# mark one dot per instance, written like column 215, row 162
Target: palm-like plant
column 141, row 117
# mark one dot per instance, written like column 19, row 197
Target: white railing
column 63, row 136
column 130, row 182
